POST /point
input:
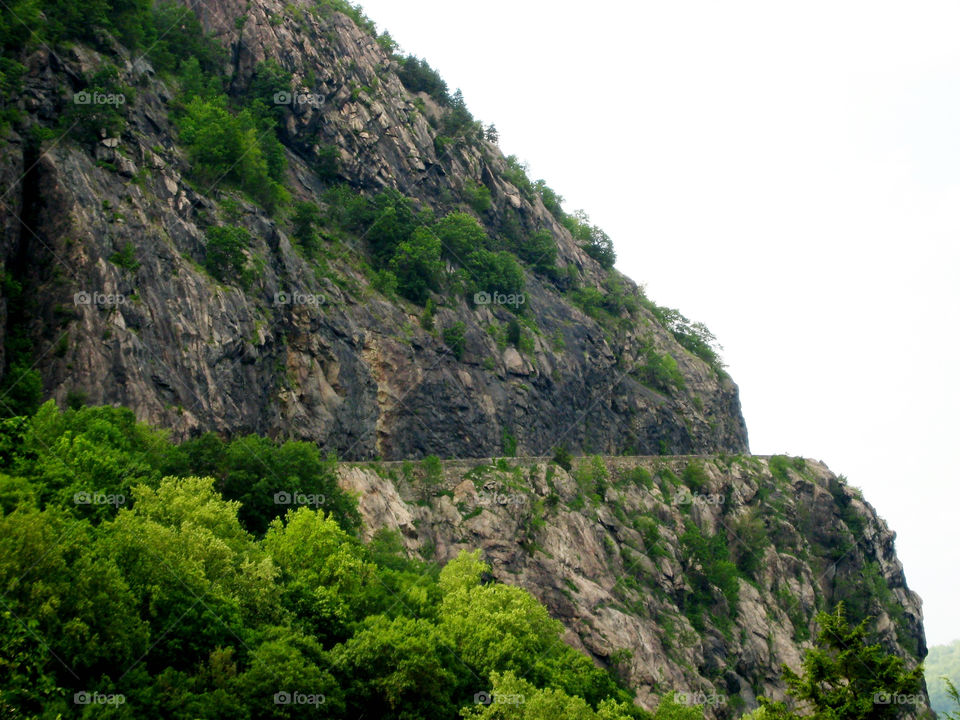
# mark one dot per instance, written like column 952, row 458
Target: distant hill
column 943, row 661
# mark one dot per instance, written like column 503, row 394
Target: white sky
column 788, row 174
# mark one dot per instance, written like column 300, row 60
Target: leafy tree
column 239, row 148
column 269, row 80
column 399, row 669
column 326, row 575
column 418, row 76
column 455, row 339
column 178, row 39
column 477, row 196
column 225, row 257
column 539, row 250
column 100, row 108
column 847, row 677
column 417, row 265
column 460, row 235
column 306, row 218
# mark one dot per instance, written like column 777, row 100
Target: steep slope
column 694, row 575
column 107, row 241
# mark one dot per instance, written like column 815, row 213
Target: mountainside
column 259, row 218
column 113, row 261
column 694, row 575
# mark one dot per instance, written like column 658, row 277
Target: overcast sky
column 788, row 174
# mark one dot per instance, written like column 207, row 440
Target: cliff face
column 355, row 371
column 682, row 573
column 694, row 575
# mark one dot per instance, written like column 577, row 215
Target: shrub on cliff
column 848, row 677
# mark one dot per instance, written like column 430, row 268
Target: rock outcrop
column 351, row 370
column 612, row 549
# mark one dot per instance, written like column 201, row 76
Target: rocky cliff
column 354, row 371
column 698, row 575
column 698, row 570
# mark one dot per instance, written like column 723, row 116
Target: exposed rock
column 354, row 374
column 619, row 586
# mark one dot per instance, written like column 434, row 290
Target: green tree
column 306, row 218
column 326, row 576
column 455, row 339
column 225, row 257
column 399, row 669
column 849, row 678
column 417, row 265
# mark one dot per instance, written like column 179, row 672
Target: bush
column 495, row 272
column 460, row 235
column 225, row 258
column 455, row 339
column 92, row 119
column 233, row 148
column 417, row 76
column 417, row 265
column 306, row 217
column 179, row 38
column 660, row 372
column 594, row 241
column 539, row 250
column 563, row 458
column 477, row 196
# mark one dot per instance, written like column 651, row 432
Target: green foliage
column 457, row 121
column 848, row 678
column 695, row 476
column 495, row 272
column 455, row 339
column 354, row 12
column 225, row 256
column 180, row 38
column 100, row 108
column 238, row 148
column 752, row 541
column 540, row 251
column 432, row 469
column 417, row 265
column 477, row 196
column 126, row 258
column 417, row 76
column 305, row 220
column 460, row 235
column 22, row 387
column 660, row 370
column 694, row 337
column 509, row 442
column 326, row 162
column 594, row 241
column 268, row 81
column 563, row 458
column 714, row 587
column 942, row 665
